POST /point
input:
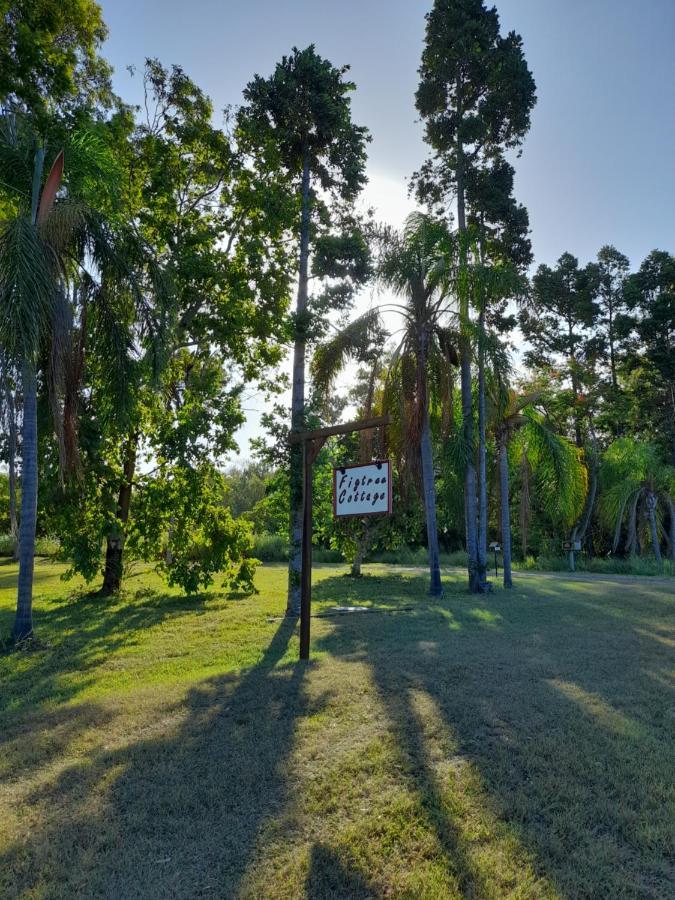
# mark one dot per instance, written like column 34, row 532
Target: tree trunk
column 362, row 548
column 671, row 506
column 580, row 529
column 11, row 466
column 524, row 504
column 355, row 571
column 651, row 515
column 429, row 490
column 114, row 551
column 506, row 513
column 470, row 509
column 482, row 460
column 23, row 623
column 298, row 406
column 631, row 536
column 427, row 461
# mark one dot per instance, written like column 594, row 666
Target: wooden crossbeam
column 297, row 437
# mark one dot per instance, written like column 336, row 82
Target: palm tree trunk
column 470, row 508
column 506, row 514
column 429, row 490
column 671, row 506
column 23, row 623
column 631, row 537
column 11, row 465
column 298, row 406
column 651, row 515
column 427, row 461
column 581, row 528
column 482, row 461
column 524, row 504
column 114, row 551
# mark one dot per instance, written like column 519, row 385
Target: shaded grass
column 519, row 744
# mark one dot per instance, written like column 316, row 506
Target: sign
column 362, row 490
column 572, row 545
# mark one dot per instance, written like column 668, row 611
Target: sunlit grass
column 518, row 744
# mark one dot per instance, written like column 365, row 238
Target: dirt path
column 593, row 577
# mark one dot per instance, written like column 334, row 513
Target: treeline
column 148, row 261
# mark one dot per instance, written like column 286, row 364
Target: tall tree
column 39, row 241
column 419, row 266
column 502, row 251
column 612, row 272
column 556, row 322
column 475, row 97
column 50, row 68
column 213, row 213
column 304, row 111
column 49, row 58
column 648, row 331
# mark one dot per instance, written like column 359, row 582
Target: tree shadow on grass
column 79, row 633
column 330, row 877
column 554, row 707
column 176, row 812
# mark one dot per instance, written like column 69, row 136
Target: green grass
column 514, row 745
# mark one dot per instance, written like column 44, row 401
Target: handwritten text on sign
column 362, row 490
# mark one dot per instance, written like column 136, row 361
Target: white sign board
column 362, row 490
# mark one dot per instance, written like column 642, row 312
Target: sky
column 597, row 167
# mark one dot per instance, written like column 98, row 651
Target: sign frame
column 361, row 515
column 312, row 442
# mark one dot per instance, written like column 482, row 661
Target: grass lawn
column 515, row 745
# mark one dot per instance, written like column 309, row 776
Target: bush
column 274, row 548
column 44, row 546
column 47, row 546
column 602, row 565
column 270, row 547
column 6, row 545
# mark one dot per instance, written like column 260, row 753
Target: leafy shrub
column 6, row 545
column 44, row 546
column 602, row 565
column 270, row 547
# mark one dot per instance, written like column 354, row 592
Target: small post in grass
column 312, row 442
column 495, row 546
column 572, row 547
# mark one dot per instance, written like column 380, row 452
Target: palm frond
column 560, row 475
column 26, row 288
column 351, row 341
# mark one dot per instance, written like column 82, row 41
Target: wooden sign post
column 312, row 442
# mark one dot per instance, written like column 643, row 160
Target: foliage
column 49, row 56
column 632, row 474
column 390, row 739
column 181, row 523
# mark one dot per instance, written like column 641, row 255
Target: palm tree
column 43, row 243
column 416, row 266
column 28, row 285
column 637, row 486
column 553, row 462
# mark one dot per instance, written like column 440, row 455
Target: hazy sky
column 598, row 165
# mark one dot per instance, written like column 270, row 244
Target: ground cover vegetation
column 148, row 260
column 515, row 744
